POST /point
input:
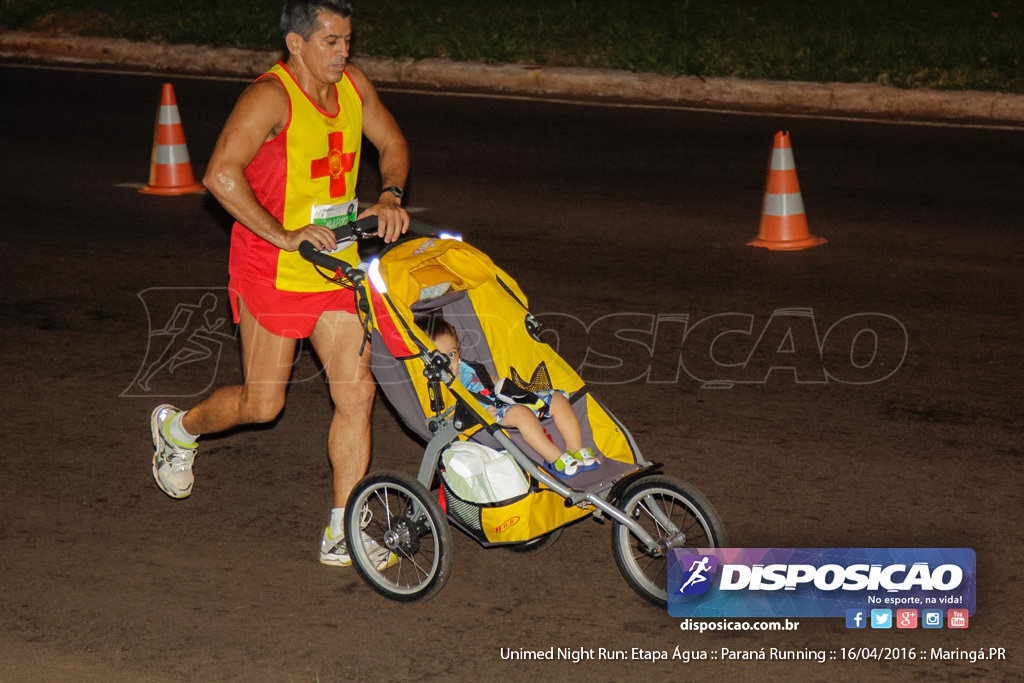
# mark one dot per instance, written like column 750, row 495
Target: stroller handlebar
column 363, row 229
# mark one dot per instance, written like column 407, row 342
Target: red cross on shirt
column 336, row 164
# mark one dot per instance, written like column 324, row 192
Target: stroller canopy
column 427, row 277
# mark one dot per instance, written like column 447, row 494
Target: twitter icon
column 881, row 618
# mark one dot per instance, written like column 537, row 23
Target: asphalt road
column 627, row 227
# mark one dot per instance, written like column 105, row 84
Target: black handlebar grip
column 320, row 258
column 420, row 228
column 364, row 228
column 367, row 227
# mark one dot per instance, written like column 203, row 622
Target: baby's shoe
column 585, row 460
column 565, row 467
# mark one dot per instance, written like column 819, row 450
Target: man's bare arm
column 260, row 114
column 382, row 131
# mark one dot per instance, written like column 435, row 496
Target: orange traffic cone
column 170, row 171
column 783, row 221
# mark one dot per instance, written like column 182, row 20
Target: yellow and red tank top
column 306, row 174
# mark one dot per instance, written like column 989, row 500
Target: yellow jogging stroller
column 404, row 549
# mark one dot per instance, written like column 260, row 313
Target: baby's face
column 449, row 346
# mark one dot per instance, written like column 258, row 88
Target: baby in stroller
column 514, row 407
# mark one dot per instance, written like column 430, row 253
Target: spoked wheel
column 539, row 544
column 404, row 549
column 677, row 516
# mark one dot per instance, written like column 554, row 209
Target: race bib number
column 334, row 215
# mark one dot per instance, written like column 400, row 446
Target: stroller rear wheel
column 405, row 550
column 676, row 515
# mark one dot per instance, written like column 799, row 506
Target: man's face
column 326, row 53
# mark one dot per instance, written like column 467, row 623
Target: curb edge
column 590, row 85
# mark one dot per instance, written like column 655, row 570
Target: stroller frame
column 405, row 548
column 449, row 432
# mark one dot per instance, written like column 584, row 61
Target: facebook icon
column 856, row 618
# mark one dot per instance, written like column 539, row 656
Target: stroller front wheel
column 676, row 515
column 404, row 549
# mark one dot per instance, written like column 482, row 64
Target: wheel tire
column 688, row 511
column 539, row 544
column 396, row 512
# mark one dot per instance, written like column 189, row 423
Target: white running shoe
column 334, row 550
column 172, row 461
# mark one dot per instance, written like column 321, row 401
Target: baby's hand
column 492, row 411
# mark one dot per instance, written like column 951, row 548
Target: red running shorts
column 288, row 314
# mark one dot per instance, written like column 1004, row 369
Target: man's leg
column 266, row 365
column 267, row 361
column 336, row 339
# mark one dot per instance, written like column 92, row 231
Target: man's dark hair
column 299, row 16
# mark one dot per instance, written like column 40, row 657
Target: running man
column 285, row 167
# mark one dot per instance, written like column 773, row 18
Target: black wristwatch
column 395, row 190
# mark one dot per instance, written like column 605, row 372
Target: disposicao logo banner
column 817, row 582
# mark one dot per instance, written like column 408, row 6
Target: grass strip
column 942, row 44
